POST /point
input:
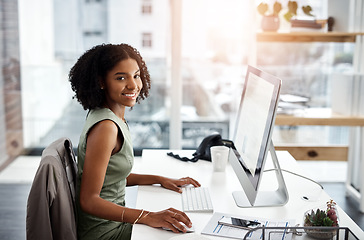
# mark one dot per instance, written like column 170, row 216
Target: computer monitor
column 252, row 140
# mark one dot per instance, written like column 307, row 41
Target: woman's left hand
column 176, row 184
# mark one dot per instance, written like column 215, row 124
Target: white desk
column 221, row 185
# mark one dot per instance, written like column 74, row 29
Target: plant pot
column 270, row 23
column 320, row 232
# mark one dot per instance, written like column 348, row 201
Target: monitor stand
column 279, row 197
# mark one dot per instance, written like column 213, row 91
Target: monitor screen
column 254, row 128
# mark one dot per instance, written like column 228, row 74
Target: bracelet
column 122, row 215
column 144, row 215
column 136, row 220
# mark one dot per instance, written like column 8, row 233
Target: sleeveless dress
column 113, row 189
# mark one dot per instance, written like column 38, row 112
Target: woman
column 107, row 79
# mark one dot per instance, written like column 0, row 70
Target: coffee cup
column 219, row 157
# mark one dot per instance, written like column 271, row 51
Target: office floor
column 16, row 179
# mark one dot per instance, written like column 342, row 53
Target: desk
column 221, row 185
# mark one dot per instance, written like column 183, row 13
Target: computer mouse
column 189, row 230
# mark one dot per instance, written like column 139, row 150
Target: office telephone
column 203, row 150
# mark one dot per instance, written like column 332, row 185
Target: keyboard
column 196, row 199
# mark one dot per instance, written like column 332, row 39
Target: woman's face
column 123, row 83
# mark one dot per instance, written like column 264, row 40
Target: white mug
column 219, row 157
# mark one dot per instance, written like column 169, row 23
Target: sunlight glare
column 214, row 26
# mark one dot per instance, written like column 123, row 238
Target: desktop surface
column 221, row 185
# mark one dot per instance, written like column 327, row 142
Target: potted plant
column 325, row 218
column 270, row 20
column 292, row 10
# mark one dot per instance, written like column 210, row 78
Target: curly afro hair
column 91, row 69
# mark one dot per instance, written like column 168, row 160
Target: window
column 147, row 7
column 93, row 1
column 215, row 50
column 92, row 33
column 147, row 40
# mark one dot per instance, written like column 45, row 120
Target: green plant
column 263, row 9
column 326, row 218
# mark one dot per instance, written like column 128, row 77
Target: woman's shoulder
column 100, row 114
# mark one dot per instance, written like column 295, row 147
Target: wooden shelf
column 307, row 36
column 312, row 116
column 316, row 153
column 318, row 117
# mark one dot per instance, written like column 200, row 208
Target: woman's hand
column 168, row 219
column 176, row 184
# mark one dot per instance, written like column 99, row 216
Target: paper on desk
column 216, row 229
column 189, row 236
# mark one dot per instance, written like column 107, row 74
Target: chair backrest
column 70, row 167
column 51, row 202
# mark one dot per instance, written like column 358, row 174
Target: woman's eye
column 137, row 76
column 121, row 78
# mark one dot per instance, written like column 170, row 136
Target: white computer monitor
column 252, row 140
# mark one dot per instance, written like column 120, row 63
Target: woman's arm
column 101, row 142
column 169, row 183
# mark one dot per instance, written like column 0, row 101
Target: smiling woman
column 122, row 85
column 107, row 65
column 107, row 79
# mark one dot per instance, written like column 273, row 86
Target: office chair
column 51, row 206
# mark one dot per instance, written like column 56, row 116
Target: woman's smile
column 123, row 84
column 130, row 95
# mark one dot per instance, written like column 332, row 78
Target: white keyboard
column 196, row 199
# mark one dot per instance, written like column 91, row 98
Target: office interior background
column 197, row 52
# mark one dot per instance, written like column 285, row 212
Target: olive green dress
column 113, row 189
